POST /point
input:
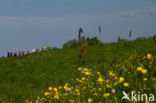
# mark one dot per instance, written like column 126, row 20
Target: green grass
column 29, row 76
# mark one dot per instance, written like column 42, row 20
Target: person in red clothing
column 28, row 51
column 20, row 52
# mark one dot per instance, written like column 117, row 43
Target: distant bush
column 121, row 39
column 70, row 43
column 82, row 40
column 93, row 41
column 140, row 38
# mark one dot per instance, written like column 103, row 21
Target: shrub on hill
column 74, row 42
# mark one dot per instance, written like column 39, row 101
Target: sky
column 27, row 24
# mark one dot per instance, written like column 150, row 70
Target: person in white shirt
column 33, row 50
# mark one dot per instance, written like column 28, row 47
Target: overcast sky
column 26, row 24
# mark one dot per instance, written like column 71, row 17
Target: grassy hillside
column 29, row 76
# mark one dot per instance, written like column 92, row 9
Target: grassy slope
column 28, row 76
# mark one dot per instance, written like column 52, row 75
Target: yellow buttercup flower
column 87, row 73
column 46, row 93
column 56, row 96
column 60, row 87
column 100, row 89
column 76, row 90
column 100, row 79
column 106, row 95
column 78, row 93
column 107, row 81
column 145, row 79
column 126, row 84
column 149, row 56
column 56, row 93
column 98, row 73
column 36, row 101
column 121, row 79
column 84, row 87
column 95, row 94
column 108, row 86
column 72, row 101
column 90, row 100
column 144, row 71
column 139, row 68
column 83, row 78
column 80, row 68
column 66, row 84
column 26, row 101
column 50, row 88
column 66, row 88
column 55, row 89
column 85, row 69
column 111, row 74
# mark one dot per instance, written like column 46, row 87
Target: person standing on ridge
column 28, row 51
column 33, row 50
column 15, row 53
column 37, row 50
column 49, row 47
column 8, row 54
column 42, row 49
column 20, row 52
column 45, row 48
column 11, row 54
column 23, row 53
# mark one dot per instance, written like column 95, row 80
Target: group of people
column 22, row 53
